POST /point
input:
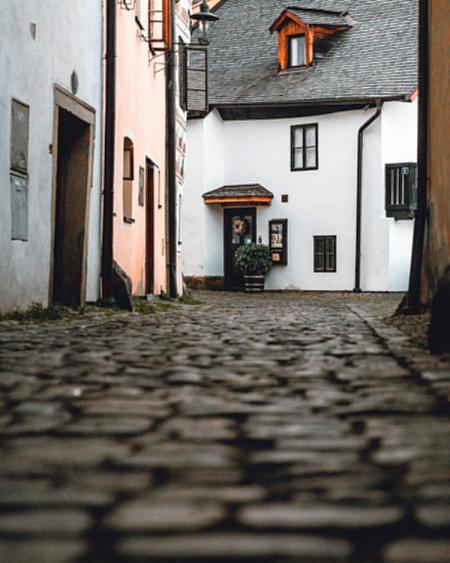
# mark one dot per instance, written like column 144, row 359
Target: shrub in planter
column 254, row 261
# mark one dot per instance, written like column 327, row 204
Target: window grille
column 401, row 190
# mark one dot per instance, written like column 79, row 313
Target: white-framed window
column 304, row 147
column 296, row 50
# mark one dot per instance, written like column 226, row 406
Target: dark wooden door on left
column 72, row 185
column 239, row 229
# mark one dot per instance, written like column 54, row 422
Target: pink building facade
column 144, row 43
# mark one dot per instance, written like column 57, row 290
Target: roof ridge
column 320, row 10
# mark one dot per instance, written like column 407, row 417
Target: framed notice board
column 278, row 239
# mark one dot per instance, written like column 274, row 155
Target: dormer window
column 301, row 30
column 297, row 50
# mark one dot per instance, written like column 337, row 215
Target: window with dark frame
column 401, row 190
column 296, row 51
column 304, row 147
column 325, row 253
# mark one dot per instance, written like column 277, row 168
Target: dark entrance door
column 239, row 229
column 150, row 228
column 72, row 184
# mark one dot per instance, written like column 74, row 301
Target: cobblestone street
column 279, row 427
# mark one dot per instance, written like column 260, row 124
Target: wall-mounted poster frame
column 278, row 241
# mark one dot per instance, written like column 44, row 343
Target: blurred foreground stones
column 270, row 428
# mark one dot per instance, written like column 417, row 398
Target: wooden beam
column 255, row 200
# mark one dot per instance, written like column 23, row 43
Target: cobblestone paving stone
column 281, row 427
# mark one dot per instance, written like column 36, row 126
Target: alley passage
column 268, row 428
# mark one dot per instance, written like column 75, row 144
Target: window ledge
column 304, row 169
column 400, row 214
column 129, row 220
column 295, row 69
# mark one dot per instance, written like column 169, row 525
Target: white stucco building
column 278, row 150
column 50, row 151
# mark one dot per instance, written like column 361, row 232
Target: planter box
column 254, row 283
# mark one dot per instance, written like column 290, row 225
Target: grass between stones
column 38, row 313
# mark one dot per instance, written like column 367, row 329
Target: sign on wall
column 20, row 119
column 19, row 207
column 141, row 193
column 278, row 241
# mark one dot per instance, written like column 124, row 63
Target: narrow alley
column 267, row 428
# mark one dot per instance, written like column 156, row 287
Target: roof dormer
column 300, row 29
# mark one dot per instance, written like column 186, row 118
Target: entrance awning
column 239, row 194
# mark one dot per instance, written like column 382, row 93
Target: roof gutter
column 110, row 136
column 171, row 161
column 413, row 305
column 317, row 101
column 359, row 186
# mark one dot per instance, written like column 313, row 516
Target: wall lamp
column 204, row 18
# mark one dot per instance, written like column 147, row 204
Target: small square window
column 325, row 253
column 304, row 147
column 401, row 190
column 296, row 50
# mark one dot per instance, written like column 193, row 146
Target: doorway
column 150, row 228
column 239, row 229
column 73, row 170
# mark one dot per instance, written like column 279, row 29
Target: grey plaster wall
column 42, row 44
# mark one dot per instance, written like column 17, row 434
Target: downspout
column 359, row 182
column 171, row 158
column 414, row 290
column 110, row 134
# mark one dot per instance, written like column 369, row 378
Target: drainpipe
column 171, row 159
column 413, row 301
column 110, row 134
column 359, row 181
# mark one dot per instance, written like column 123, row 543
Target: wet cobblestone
column 271, row 428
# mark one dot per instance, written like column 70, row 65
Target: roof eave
column 317, row 102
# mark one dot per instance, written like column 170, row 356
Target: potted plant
column 254, row 261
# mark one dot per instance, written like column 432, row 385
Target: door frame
column 63, row 99
column 227, row 211
column 149, row 226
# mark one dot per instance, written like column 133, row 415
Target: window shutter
column 182, row 66
column 195, row 61
column 159, row 24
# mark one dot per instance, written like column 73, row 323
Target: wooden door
column 72, row 187
column 239, row 229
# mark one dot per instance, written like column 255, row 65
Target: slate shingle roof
column 313, row 16
column 240, row 191
column 376, row 58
